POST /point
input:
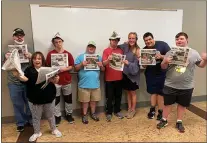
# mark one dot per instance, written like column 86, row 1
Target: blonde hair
column 136, row 47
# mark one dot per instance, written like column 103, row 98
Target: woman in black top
column 40, row 99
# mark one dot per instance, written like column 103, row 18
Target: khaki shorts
column 87, row 95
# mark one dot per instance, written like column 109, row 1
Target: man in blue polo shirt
column 89, row 81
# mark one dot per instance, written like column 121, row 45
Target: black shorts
column 180, row 96
column 127, row 84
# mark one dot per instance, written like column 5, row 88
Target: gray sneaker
column 128, row 113
column 131, row 114
column 108, row 117
column 119, row 115
column 95, row 117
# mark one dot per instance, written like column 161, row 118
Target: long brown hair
column 34, row 55
column 136, row 47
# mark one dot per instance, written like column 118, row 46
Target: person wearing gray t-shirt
column 17, row 89
column 179, row 82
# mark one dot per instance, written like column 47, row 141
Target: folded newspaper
column 117, row 61
column 45, row 73
column 13, row 62
column 179, row 55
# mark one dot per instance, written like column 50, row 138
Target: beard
column 18, row 43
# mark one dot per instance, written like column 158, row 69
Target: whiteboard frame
column 97, row 7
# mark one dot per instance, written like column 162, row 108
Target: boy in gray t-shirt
column 179, row 83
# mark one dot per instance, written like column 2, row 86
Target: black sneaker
column 162, row 124
column 70, row 118
column 159, row 116
column 85, row 119
column 57, row 120
column 94, row 117
column 179, row 127
column 151, row 113
column 20, row 128
column 28, row 124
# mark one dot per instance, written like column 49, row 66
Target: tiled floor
column 9, row 133
column 138, row 129
column 201, row 105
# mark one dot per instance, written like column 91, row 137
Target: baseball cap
column 18, row 31
column 92, row 43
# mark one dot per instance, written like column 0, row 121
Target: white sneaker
column 57, row 133
column 35, row 136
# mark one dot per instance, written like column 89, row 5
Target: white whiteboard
column 77, row 26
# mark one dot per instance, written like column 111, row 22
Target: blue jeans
column 20, row 104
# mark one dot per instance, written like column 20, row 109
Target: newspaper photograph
column 22, row 49
column 59, row 60
column 45, row 73
column 147, row 57
column 13, row 62
column 179, row 55
column 117, row 62
column 92, row 60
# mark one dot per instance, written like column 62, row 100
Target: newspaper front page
column 22, row 49
column 117, row 61
column 179, row 55
column 92, row 60
column 147, row 57
column 59, row 60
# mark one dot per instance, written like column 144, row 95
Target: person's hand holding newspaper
column 47, row 74
column 99, row 64
column 54, row 79
column 158, row 55
column 167, row 60
column 110, row 57
column 28, row 55
column 13, row 64
column 204, row 56
column 7, row 55
column 126, row 62
column 84, row 63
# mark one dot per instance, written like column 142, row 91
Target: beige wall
column 17, row 14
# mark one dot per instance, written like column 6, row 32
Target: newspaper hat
column 92, row 43
column 114, row 36
column 57, row 35
column 18, row 31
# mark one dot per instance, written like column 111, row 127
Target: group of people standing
column 164, row 83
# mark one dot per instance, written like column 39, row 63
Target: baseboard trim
column 100, row 109
column 199, row 112
column 199, row 98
